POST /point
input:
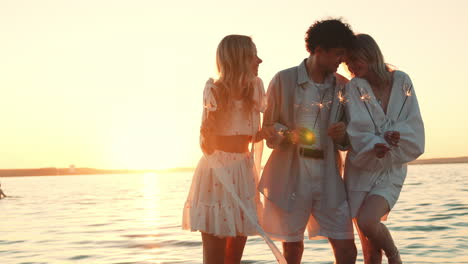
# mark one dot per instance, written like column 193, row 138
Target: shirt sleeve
column 271, row 115
column 410, row 125
column 209, row 106
column 209, row 100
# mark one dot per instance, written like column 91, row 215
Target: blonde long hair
column 233, row 60
column 365, row 48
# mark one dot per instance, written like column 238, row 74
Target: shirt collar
column 303, row 77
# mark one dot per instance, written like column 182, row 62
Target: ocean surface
column 136, row 219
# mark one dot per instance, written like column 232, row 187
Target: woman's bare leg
column 213, row 249
column 370, row 213
column 234, row 249
column 372, row 254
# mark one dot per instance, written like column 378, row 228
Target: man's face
column 330, row 59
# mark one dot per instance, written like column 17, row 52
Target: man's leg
column 344, row 249
column 288, row 227
column 292, row 251
column 336, row 224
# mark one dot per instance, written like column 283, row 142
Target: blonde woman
column 386, row 132
column 231, row 121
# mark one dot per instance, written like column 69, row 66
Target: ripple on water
column 421, row 228
column 458, row 208
column 454, row 204
column 142, row 235
column 462, row 224
column 11, row 242
column 167, row 243
column 437, row 218
column 414, row 183
column 79, row 257
column 424, row 204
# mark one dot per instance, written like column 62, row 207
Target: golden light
column 143, row 145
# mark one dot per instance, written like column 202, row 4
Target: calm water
column 136, row 219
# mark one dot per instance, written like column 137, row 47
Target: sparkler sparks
column 341, row 97
column 365, row 98
column 407, row 90
column 341, row 101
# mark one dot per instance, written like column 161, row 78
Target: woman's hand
column 337, row 131
column 380, row 150
column 392, row 138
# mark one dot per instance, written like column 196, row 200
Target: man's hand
column 392, row 138
column 267, row 132
column 380, row 150
column 337, row 131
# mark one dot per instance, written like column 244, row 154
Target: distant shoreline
column 440, row 161
column 91, row 171
column 63, row 172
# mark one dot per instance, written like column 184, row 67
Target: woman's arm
column 410, row 127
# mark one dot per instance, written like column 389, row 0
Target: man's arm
column 271, row 116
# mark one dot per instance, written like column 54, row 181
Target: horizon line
column 460, row 159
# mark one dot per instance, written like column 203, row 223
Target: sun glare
column 139, row 146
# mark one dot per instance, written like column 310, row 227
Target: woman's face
column 255, row 63
column 357, row 67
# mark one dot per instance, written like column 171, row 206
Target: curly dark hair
column 330, row 33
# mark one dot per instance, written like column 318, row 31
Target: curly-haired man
column 302, row 181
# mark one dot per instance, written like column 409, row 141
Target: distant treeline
column 441, row 160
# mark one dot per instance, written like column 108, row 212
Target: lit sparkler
column 407, row 90
column 321, row 105
column 341, row 101
column 365, row 98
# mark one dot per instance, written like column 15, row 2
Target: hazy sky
column 118, row 84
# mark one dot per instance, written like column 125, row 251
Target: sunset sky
column 118, row 84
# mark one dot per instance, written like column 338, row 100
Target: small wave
column 422, row 228
column 416, row 183
column 437, row 218
column 416, row 245
column 458, row 208
column 80, row 257
column 84, row 242
column 8, row 242
column 102, row 224
column 424, row 204
column 454, row 204
column 168, row 243
column 142, row 235
column 463, row 224
column 170, row 227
